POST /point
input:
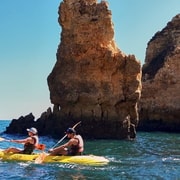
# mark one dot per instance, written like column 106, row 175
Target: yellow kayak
column 83, row 159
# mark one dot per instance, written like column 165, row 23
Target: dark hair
column 70, row 131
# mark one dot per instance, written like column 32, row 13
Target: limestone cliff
column 160, row 100
column 92, row 80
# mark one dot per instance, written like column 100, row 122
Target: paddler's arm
column 22, row 141
column 60, row 148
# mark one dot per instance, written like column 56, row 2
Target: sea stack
column 93, row 80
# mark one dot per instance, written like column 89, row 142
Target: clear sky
column 30, row 34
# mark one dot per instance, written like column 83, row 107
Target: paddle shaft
column 65, row 136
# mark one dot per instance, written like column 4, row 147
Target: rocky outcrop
column 160, row 100
column 44, row 124
column 19, row 126
column 92, row 80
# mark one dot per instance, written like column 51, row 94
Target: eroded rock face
column 20, row 125
column 160, row 100
column 92, row 80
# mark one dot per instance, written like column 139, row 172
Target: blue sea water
column 153, row 156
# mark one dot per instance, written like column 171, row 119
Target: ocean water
column 152, row 156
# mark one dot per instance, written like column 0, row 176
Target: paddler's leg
column 12, row 150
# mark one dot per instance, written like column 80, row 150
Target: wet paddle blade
column 40, row 158
column 3, row 139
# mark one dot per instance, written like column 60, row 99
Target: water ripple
column 153, row 156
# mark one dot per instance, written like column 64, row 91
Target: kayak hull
column 83, row 159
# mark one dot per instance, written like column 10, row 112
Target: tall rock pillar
column 92, row 80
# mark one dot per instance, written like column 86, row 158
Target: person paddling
column 30, row 143
column 75, row 146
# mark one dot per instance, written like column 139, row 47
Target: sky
column 29, row 38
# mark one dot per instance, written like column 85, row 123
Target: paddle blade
column 2, row 139
column 40, row 158
column 41, row 147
